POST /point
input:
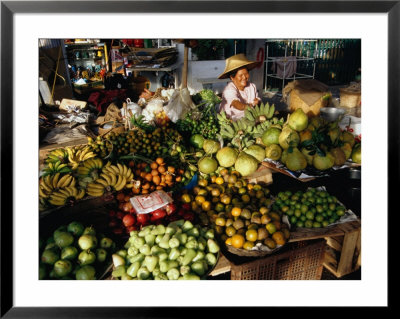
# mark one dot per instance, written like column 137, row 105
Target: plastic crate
column 301, row 261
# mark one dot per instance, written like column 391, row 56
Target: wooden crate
column 301, row 261
column 343, row 254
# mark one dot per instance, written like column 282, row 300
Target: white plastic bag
column 179, row 104
column 133, row 107
column 152, row 108
column 144, row 204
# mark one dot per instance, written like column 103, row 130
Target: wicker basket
column 301, row 261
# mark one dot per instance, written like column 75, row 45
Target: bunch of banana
column 79, row 154
column 229, row 130
column 260, row 113
column 60, row 196
column 91, row 165
column 57, row 167
column 58, row 155
column 50, row 183
column 242, row 141
column 112, row 177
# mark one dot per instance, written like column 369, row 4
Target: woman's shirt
column 232, row 93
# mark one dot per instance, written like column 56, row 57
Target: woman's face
column 241, row 78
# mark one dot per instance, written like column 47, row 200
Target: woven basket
column 116, row 128
column 311, row 110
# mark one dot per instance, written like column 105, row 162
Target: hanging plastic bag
column 179, row 104
column 152, row 108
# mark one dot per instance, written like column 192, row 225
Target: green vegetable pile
column 201, row 120
column 75, row 252
column 178, row 251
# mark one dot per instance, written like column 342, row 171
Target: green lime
column 290, row 212
column 303, row 218
column 319, row 218
column 310, row 215
column 340, row 211
column 297, row 213
column 304, row 208
column 329, row 213
column 285, row 208
column 319, row 208
column 308, row 223
column 317, row 224
column 300, row 223
column 293, row 220
column 325, row 223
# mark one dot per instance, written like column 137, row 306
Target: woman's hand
column 255, row 102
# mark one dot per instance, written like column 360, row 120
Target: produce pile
column 238, row 211
column 177, row 251
column 202, row 164
column 313, row 208
column 75, row 252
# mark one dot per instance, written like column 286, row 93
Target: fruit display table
column 342, row 255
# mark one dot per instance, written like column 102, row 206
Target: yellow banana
column 42, row 193
column 106, row 177
column 88, row 155
column 121, row 183
column 95, row 186
column 58, row 196
column 65, row 181
column 114, row 169
column 62, row 180
column 120, row 169
column 72, row 190
column 54, row 180
column 125, row 170
column 95, row 193
column 73, row 182
column 83, row 170
column 64, row 192
column 99, row 162
column 80, row 194
column 113, row 179
column 56, row 202
column 102, row 182
column 45, row 185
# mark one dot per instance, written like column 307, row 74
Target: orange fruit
column 161, row 169
column 154, row 165
column 251, row 235
column 224, row 171
column 171, row 169
column 200, row 199
column 203, row 182
column 279, row 238
column 237, row 241
column 159, row 160
column 186, row 198
column 219, row 180
column 228, row 241
column 156, row 179
column 154, row 172
column 236, row 211
column 206, row 205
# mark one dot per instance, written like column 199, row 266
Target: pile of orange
column 156, row 175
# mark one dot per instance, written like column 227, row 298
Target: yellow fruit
column 206, row 206
column 186, row 198
column 203, row 182
column 286, row 233
column 270, row 243
column 220, row 221
column 238, row 224
column 238, row 241
column 279, row 238
column 246, row 214
column 219, row 180
column 271, row 228
column 230, row 231
column 251, row 235
column 263, row 210
column 262, row 233
column 236, row 211
column 228, row 241
column 274, row 216
column 248, row 245
column 199, row 199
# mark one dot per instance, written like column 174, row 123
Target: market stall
column 167, row 185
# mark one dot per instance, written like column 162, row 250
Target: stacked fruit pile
column 304, row 142
column 313, row 208
column 238, row 211
column 158, row 143
column 75, row 252
column 177, row 251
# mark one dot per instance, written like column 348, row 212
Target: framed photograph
column 23, row 23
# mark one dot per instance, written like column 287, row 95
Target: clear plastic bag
column 179, row 104
column 134, row 108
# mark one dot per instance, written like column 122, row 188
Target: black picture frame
column 9, row 8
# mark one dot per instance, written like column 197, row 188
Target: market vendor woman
column 240, row 93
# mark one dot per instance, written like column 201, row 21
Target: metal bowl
column 331, row 114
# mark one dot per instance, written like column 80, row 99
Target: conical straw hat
column 235, row 62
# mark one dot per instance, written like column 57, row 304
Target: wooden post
column 185, row 66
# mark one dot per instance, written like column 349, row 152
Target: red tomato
column 188, row 216
column 158, row 214
column 142, row 218
column 128, row 220
column 170, row 208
